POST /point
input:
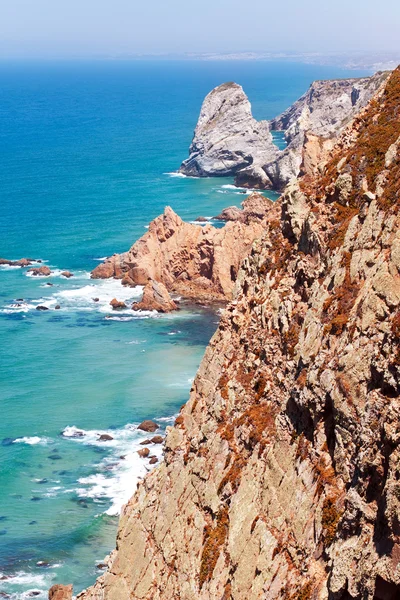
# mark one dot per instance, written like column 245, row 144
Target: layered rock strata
column 196, row 261
column 281, row 474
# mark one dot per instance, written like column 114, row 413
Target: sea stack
column 227, row 138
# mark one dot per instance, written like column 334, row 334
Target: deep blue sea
column 87, row 158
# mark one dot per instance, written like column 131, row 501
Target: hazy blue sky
column 92, row 27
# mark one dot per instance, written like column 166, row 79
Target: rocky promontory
column 199, row 262
column 229, row 141
column 227, row 138
column 281, row 474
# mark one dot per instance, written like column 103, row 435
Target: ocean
column 88, row 154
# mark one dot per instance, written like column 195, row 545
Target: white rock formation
column 227, row 138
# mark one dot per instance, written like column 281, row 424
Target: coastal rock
column 155, row 297
column 198, row 262
column 22, row 262
column 227, row 138
column 105, row 437
column 144, row 453
column 43, row 271
column 281, row 474
column 157, row 439
column 60, row 592
column 117, row 304
column 67, row 274
column 149, row 426
column 41, row 307
column 153, row 460
column 228, row 141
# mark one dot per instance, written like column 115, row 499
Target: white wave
column 35, row 582
column 101, row 259
column 31, row 440
column 177, row 174
column 170, row 419
column 9, row 267
column 117, row 475
column 229, row 186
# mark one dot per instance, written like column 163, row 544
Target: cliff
column 281, row 474
column 200, row 262
column 228, row 141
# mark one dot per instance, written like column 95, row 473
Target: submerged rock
column 105, row 437
column 42, row 307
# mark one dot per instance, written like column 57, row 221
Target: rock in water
column 117, row 304
column 227, row 138
column 149, row 426
column 155, row 297
column 60, row 592
column 43, row 271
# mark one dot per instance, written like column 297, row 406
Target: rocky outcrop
column 312, row 124
column 228, row 141
column 43, row 271
column 281, row 474
column 227, row 138
column 60, row 592
column 155, row 297
column 196, row 261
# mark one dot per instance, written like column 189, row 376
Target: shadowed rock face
column 198, row 262
column 281, row 474
column 227, row 138
column 228, row 141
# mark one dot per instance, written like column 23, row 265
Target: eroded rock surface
column 281, row 474
column 196, row 261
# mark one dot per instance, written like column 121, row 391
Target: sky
column 89, row 28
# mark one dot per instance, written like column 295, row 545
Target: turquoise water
column 87, row 157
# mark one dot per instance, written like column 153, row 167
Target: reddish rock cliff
column 281, row 474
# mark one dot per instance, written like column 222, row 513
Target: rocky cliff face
column 199, row 262
column 227, row 138
column 228, row 141
column 281, row 474
column 313, row 123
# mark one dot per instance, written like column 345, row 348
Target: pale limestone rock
column 227, row 138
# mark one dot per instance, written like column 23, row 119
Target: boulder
column 117, row 304
column 42, row 271
column 41, row 307
column 155, row 297
column 157, row 439
column 57, row 307
column 144, row 452
column 149, row 426
column 67, row 274
column 60, row 592
column 153, row 460
column 105, row 437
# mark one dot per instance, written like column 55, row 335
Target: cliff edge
column 281, row 473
